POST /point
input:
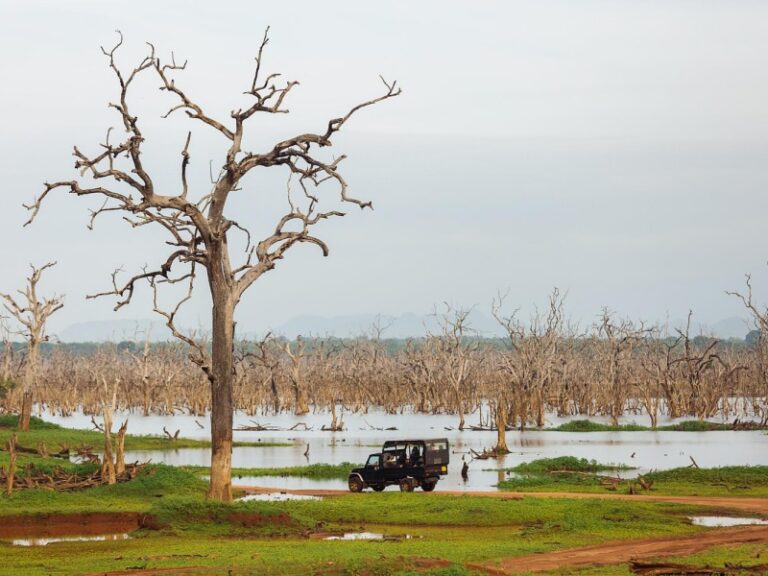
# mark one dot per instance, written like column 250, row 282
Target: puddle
column 276, row 497
column 54, row 540
column 369, row 536
column 725, row 521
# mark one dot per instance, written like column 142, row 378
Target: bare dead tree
column 32, row 312
column 617, row 340
column 658, row 359
column 759, row 347
column 458, row 355
column 697, row 363
column 267, row 357
column 199, row 229
column 759, row 313
column 529, row 362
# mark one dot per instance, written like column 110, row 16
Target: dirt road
column 621, row 552
column 609, row 553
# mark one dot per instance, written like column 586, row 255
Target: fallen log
column 41, row 450
column 256, row 427
column 301, row 426
column 62, row 481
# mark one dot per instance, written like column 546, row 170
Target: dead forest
column 543, row 365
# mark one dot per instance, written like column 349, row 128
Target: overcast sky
column 616, row 149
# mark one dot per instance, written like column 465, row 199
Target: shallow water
column 358, row 536
column 276, row 497
column 54, row 540
column 725, row 521
column 365, row 433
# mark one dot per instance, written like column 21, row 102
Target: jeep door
column 372, row 470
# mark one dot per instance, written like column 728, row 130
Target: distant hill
column 407, row 325
column 403, row 326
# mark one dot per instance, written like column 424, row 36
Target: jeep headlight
column 444, row 469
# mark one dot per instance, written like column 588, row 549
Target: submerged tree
column 32, row 312
column 199, row 228
column 529, row 362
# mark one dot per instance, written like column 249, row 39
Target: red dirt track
column 620, row 552
column 609, row 553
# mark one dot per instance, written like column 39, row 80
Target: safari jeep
column 406, row 463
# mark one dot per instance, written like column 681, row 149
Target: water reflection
column 53, row 540
column 365, row 433
column 725, row 521
column 276, row 497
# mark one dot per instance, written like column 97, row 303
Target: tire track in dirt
column 612, row 553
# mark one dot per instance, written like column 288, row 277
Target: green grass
column 264, row 537
column 564, row 473
column 695, row 426
column 538, row 476
column 589, row 426
column 456, row 529
column 721, row 559
column 723, row 481
column 315, row 471
column 12, row 420
column 723, row 556
column 684, row 426
column 55, row 436
column 139, row 495
column 564, row 463
column 273, row 538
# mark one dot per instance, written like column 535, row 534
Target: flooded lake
column 365, row 434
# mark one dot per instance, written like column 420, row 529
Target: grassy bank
column 55, row 436
column 277, row 538
column 314, row 471
column 685, row 426
column 567, row 474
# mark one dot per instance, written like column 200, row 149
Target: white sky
column 617, row 149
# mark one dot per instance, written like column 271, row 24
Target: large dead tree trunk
column 501, row 426
column 30, row 377
column 222, row 378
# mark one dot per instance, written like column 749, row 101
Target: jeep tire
column 355, row 484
